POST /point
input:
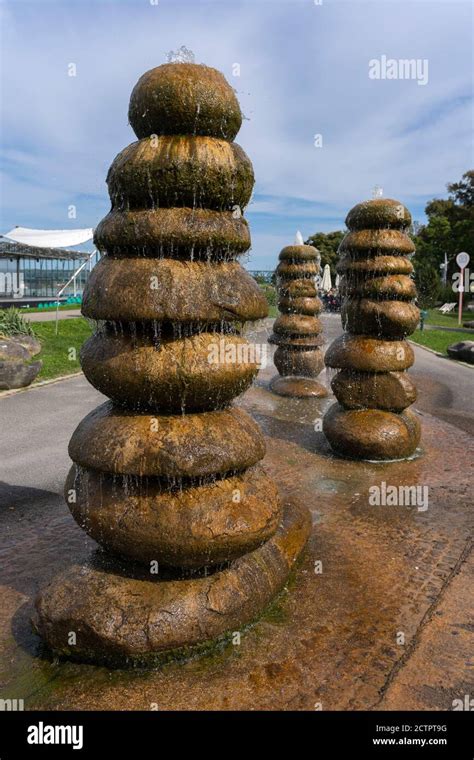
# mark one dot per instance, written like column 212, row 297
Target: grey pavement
column 50, row 315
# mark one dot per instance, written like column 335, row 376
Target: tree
column 450, row 226
column 463, row 191
column 427, row 284
column 327, row 244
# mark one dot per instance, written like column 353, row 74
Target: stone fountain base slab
column 119, row 619
column 298, row 387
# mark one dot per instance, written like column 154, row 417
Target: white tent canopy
column 49, row 238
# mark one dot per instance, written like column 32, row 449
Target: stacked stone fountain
column 167, row 475
column 297, row 331
column 372, row 420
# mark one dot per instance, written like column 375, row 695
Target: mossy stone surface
column 184, row 99
column 174, row 233
column 378, row 214
column 174, row 171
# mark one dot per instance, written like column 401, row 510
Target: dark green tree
column 327, row 244
column 450, row 226
column 427, row 283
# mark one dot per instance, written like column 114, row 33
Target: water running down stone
column 166, row 476
column 372, row 386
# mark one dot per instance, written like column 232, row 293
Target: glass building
column 30, row 275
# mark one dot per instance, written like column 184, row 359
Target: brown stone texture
column 197, row 172
column 184, row 99
column 377, row 312
column 298, row 387
column 176, row 376
column 120, row 441
column 174, row 232
column 130, row 619
column 189, row 526
column 166, row 474
column 371, row 433
column 172, row 291
column 393, row 391
column 297, row 331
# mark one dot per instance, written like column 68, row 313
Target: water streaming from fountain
column 371, row 420
column 167, row 475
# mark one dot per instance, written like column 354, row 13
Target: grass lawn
column 447, row 320
column 272, row 311
column 439, row 340
column 60, row 353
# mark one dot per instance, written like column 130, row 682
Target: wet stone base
column 117, row 619
column 298, row 387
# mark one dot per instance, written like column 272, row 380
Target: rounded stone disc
column 307, row 306
column 132, row 290
column 173, row 232
column 189, row 526
column 299, row 253
column 184, row 98
column 196, row 172
column 366, row 354
column 164, row 615
column 183, row 374
column 297, row 324
column 298, row 387
column 288, row 269
column 393, row 391
column 115, row 440
column 374, row 266
column 368, row 243
column 388, row 319
column 296, row 341
column 294, row 361
column 392, row 286
column 371, row 434
column 297, row 289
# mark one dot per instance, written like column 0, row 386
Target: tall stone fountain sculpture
column 297, row 331
column 167, row 475
column 374, row 391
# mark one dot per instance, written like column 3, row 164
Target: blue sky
column 303, row 71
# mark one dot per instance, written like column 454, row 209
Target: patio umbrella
column 326, row 283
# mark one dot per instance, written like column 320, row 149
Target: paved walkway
column 49, row 315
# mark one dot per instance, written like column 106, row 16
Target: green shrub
column 270, row 293
column 12, row 322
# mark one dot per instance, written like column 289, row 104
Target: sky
column 304, row 71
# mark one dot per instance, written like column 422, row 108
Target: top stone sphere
column 184, row 99
column 381, row 213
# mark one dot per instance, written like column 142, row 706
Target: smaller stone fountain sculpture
column 297, row 331
column 371, row 420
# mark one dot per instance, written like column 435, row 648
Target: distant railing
column 262, row 275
